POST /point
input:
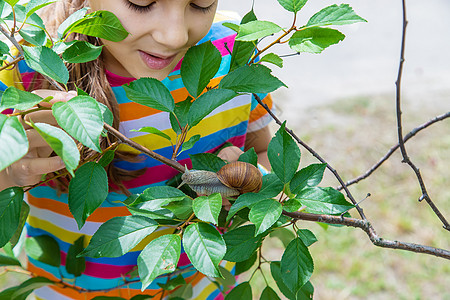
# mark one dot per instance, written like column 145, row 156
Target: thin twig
column 314, row 153
column 401, row 142
column 394, row 148
column 11, row 39
column 13, row 63
column 368, row 229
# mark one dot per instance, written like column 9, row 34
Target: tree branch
column 368, row 229
column 401, row 142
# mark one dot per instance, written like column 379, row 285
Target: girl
column 161, row 32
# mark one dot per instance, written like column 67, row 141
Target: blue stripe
column 24, row 68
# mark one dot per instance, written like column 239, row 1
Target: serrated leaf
column 4, row 48
column 44, row 248
column 87, row 191
column 181, row 209
column 12, row 2
column 34, row 35
column 245, row 265
column 284, row 155
column 30, row 285
column 150, row 92
column 160, row 256
column 251, row 79
column 181, row 111
column 275, row 270
column 81, row 117
column 321, row 200
column 45, row 61
column 207, row 102
column 10, row 206
column 61, row 143
column 14, row 139
column 207, row 162
column 243, row 201
column 335, row 15
column 292, row 5
column 296, row 265
column 81, row 52
column 153, row 130
column 24, row 212
column 250, row 157
column 118, row 236
column 308, row 238
column 199, row 66
column 18, row 99
column 106, row 158
column 191, row 142
column 241, row 243
column 284, row 235
column 207, row 208
column 314, row 39
column 8, row 261
column 76, row 265
column 264, row 214
column 307, row 177
column 269, row 294
column 34, row 5
column 292, row 205
column 172, row 283
column 204, row 247
column 242, row 291
column 158, row 196
column 108, row 117
column 271, row 186
column 102, row 24
column 76, row 16
column 9, row 292
column 241, row 54
column 232, row 26
column 228, row 281
column 273, row 59
column 306, row 292
column 255, row 30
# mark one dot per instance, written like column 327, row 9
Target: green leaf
column 181, row 112
column 335, row 15
column 24, row 212
column 242, row 291
column 14, row 139
column 199, row 66
column 10, row 207
column 269, row 294
column 12, row 2
column 321, row 200
column 284, row 155
column 30, row 285
column 108, row 117
column 228, row 281
column 158, row 196
column 76, row 265
column 308, row 238
column 250, row 157
column 275, row 270
column 232, row 26
column 181, row 209
column 207, row 208
column 87, row 191
column 153, row 130
column 306, row 292
column 76, row 16
column 107, row 158
column 118, row 236
column 244, row 200
column 34, row 35
column 172, row 283
column 81, row 52
column 43, row 248
column 189, row 144
column 81, row 117
column 61, row 143
column 292, row 205
column 8, row 261
column 160, row 256
column 241, row 243
column 207, row 102
column 102, row 24
column 251, row 79
column 292, row 5
column 45, row 61
column 242, row 51
column 204, row 247
column 34, row 5
column 245, row 265
column 284, row 235
column 150, row 92
column 264, row 214
column 206, row 161
column 307, row 177
column 255, row 30
column 314, row 39
column 9, row 292
column 296, row 265
column 271, row 186
column 158, row 214
column 18, row 99
column 4, row 48
column 183, row 292
column 273, row 59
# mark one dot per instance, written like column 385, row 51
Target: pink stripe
column 27, row 78
column 220, row 44
column 101, row 270
column 184, row 260
column 7, row 111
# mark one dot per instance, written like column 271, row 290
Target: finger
column 42, row 116
column 230, row 154
column 57, row 96
column 30, row 167
column 35, row 140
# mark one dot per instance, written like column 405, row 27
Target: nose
column 172, row 30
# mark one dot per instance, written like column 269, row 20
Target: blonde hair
column 91, row 78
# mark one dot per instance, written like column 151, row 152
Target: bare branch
column 394, row 148
column 368, row 229
column 11, row 39
column 401, row 142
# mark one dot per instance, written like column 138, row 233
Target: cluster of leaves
column 252, row 217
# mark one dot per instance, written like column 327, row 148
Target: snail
column 231, row 180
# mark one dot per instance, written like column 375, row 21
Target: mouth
column 156, row 61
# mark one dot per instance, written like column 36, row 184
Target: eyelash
column 142, row 9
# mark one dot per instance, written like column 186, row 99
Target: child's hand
column 29, row 169
column 230, row 154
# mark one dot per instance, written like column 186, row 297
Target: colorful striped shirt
column 50, row 213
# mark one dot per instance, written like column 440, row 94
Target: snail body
column 231, row 180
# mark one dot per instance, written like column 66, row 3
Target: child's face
column 161, row 31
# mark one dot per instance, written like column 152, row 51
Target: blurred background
column 342, row 103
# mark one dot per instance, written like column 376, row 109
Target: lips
column 156, row 62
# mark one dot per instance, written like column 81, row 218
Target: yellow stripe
column 208, row 126
column 212, row 287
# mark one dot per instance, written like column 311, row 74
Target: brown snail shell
column 242, row 176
